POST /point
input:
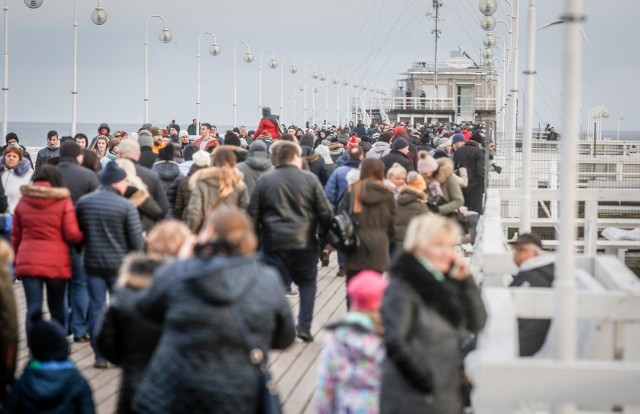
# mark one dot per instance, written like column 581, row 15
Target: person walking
column 201, row 159
column 112, row 229
column 471, row 157
column 170, row 176
column 256, row 165
column 15, row 172
column 50, row 151
column 236, row 312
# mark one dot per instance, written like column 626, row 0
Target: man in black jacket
column 80, row 181
column 111, row 228
column 399, row 154
column 130, row 150
column 471, row 156
column 536, row 270
column 287, row 205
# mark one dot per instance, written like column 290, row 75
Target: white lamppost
column 620, row 118
column 214, row 50
column 299, row 86
column 98, row 17
column 248, row 57
column 314, row 76
column 334, row 80
column 273, row 63
column 165, row 37
column 292, row 69
column 348, row 114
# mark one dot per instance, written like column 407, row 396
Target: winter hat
column 183, row 133
column 399, row 143
column 457, row 138
column 201, row 158
column 112, row 174
column 426, row 163
column 443, row 143
column 477, row 137
column 14, row 148
column 353, row 142
column 258, row 146
column 11, row 135
column 146, row 126
column 145, row 139
column 323, row 151
column 415, row 180
column 308, row 139
column 398, row 129
column 166, row 153
column 47, row 339
column 188, row 151
column 232, row 139
column 70, row 149
column 175, row 126
column 366, row 290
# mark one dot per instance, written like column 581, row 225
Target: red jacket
column 44, row 221
column 212, row 143
column 266, row 124
column 467, row 134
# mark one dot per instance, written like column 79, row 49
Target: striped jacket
column 112, row 229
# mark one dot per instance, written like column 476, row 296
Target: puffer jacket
column 288, row 205
column 43, row 223
column 316, row 165
column 13, row 179
column 170, row 176
column 451, row 191
column 45, row 154
column 411, row 203
column 205, row 194
column 209, row 295
column 423, row 319
column 337, row 183
column 350, row 367
column 184, row 194
column 379, row 150
column 256, row 165
column 374, row 225
column 125, row 338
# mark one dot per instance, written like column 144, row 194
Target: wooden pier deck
column 294, row 369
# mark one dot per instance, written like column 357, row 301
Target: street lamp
column 273, row 63
column 348, row 114
column 299, row 86
column 98, row 17
column 314, row 76
column 488, row 7
column 33, row 4
column 165, row 37
column 334, row 80
column 248, row 58
column 292, row 69
column 488, row 23
column 214, row 50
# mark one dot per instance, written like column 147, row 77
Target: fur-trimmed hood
column 408, row 194
column 137, row 270
column 445, row 169
column 214, row 174
column 20, row 170
column 42, row 189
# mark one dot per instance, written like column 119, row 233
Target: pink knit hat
column 426, row 163
column 366, row 289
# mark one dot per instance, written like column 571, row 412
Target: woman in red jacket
column 44, row 222
column 268, row 123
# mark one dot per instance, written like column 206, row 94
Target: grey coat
column 423, row 319
column 253, row 167
column 202, row 362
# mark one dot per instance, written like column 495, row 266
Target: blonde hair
column 132, row 178
column 395, row 170
column 166, row 238
column 423, row 229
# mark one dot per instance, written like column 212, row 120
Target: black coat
column 170, row 176
column 156, row 191
column 78, row 179
column 201, row 364
column 125, row 338
column 471, row 156
column 396, row 156
column 147, row 157
column 287, row 205
column 423, row 319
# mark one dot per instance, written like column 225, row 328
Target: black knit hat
column 232, row 139
column 70, row 149
column 112, row 174
column 11, row 135
column 166, row 153
column 47, row 340
column 399, row 143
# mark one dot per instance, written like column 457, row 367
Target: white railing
column 433, row 104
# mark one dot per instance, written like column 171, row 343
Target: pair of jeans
column 98, row 286
column 34, row 294
column 301, row 266
column 79, row 320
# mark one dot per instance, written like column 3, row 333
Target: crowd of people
column 173, row 257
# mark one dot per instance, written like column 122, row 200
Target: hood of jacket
column 167, row 170
column 409, row 194
column 355, row 337
column 47, row 384
column 373, row 193
column 535, row 262
column 445, row 169
column 104, row 125
column 213, row 174
column 221, row 279
column 336, row 148
column 41, row 195
column 380, row 147
column 20, row 170
column 259, row 161
column 137, row 270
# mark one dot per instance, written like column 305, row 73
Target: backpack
column 275, row 120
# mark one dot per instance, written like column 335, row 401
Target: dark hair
column 48, row 173
column 385, row 137
column 70, row 149
column 206, row 124
column 286, row 152
column 223, row 157
column 166, row 153
column 81, row 135
column 355, row 153
column 90, row 160
column 372, row 169
column 288, row 137
column 52, row 133
column 188, row 152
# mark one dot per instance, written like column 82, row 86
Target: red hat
column 353, row 142
column 398, row 129
column 366, row 290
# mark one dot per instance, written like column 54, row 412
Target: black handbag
column 344, row 232
column 268, row 399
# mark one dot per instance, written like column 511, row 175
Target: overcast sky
column 374, row 40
